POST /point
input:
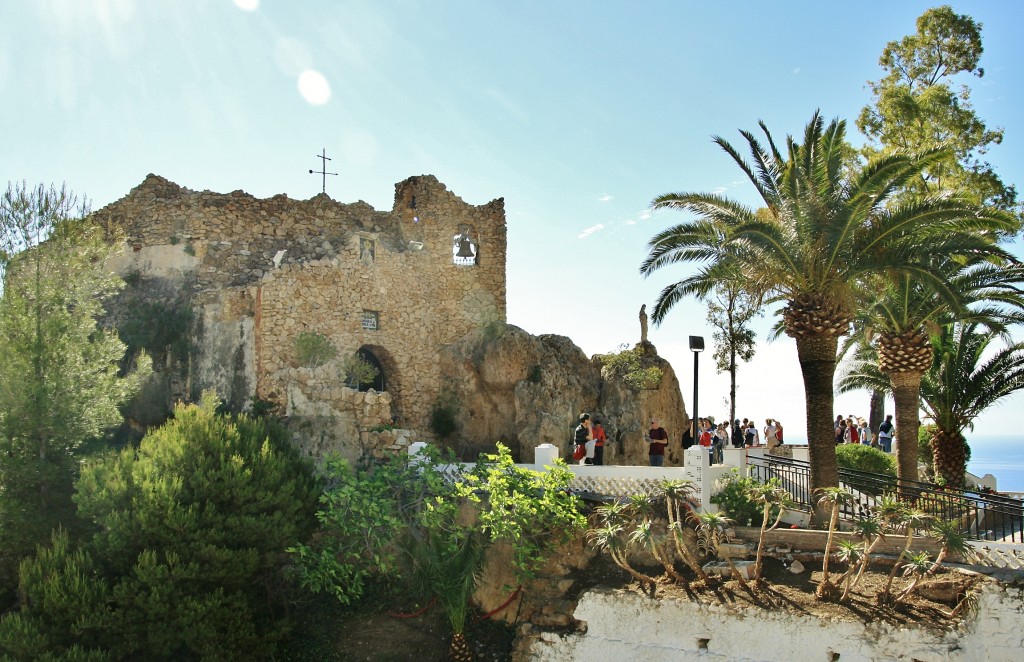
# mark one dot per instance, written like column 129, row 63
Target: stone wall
column 260, row 271
column 628, row 626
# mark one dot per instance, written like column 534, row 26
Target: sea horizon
column 999, row 455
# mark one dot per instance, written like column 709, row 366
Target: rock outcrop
column 523, row 390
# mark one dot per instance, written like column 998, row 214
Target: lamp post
column 696, row 346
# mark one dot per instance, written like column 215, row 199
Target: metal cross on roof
column 323, row 169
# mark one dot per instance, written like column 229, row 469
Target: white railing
column 626, row 480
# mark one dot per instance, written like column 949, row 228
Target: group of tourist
column 590, row 437
column 715, row 438
column 855, row 430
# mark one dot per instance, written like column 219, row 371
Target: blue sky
column 577, row 113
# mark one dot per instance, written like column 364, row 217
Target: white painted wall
column 628, row 626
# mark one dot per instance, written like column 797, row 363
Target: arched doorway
column 379, row 383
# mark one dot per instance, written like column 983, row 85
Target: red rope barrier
column 416, row 613
column 433, row 600
column 503, row 605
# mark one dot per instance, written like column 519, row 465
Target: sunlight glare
column 314, row 87
column 247, row 5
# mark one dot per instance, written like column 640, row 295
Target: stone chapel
column 393, row 286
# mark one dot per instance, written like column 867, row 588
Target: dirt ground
column 425, row 638
column 795, row 593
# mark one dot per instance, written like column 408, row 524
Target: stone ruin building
column 219, row 288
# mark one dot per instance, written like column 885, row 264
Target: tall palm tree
column 824, row 227
column 893, row 348
column 960, row 385
column 902, row 314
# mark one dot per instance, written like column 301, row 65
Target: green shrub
column 865, row 458
column 191, row 533
column 629, row 365
column 535, row 375
column 442, row 418
column 406, row 517
column 734, row 499
column 358, row 371
column 156, row 327
column 312, row 350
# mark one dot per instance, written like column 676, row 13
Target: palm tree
column 710, row 531
column 645, row 536
column 952, row 540
column 869, row 530
column 770, row 495
column 821, row 230
column 903, row 312
column 852, row 554
column 676, row 492
column 965, row 379
column 615, row 537
column 835, row 498
column 917, row 566
column 449, row 565
column 906, row 520
column 610, row 537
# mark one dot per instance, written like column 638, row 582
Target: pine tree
column 60, row 384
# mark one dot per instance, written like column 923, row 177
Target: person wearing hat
column 657, row 440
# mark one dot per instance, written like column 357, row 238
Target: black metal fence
column 980, row 516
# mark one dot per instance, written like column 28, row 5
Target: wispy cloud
column 606, row 198
column 796, row 71
column 510, row 107
column 591, row 230
column 720, row 190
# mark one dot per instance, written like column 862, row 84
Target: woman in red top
column 599, row 438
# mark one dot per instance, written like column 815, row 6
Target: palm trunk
column 864, row 562
column 895, row 566
column 670, row 570
column 817, row 356
column 876, row 410
column 759, row 560
column 906, row 388
column 620, row 560
column 823, row 588
column 949, row 456
column 675, row 524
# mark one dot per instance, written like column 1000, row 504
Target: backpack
column 749, row 436
column 578, row 452
column 778, row 433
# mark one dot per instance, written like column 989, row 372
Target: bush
column 409, row 517
column 358, row 371
column 865, row 458
column 312, row 350
column 629, row 366
column 192, row 529
column 442, row 418
column 734, row 499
